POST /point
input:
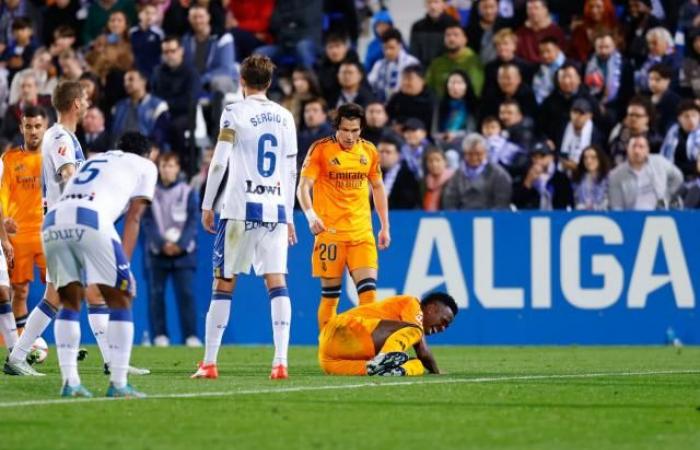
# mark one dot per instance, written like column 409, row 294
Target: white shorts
column 4, row 275
column 82, row 252
column 240, row 244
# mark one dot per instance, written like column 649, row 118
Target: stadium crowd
column 487, row 104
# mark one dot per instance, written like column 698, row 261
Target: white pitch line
column 416, row 381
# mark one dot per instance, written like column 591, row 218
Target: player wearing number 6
column 258, row 145
column 339, row 170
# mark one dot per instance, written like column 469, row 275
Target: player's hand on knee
column 10, row 225
column 384, row 239
column 208, row 220
column 291, row 234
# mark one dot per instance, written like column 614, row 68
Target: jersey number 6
column 268, row 155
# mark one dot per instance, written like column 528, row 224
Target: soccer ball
column 39, row 351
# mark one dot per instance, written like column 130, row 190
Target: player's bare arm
column 66, row 172
column 215, row 177
column 426, row 356
column 381, row 205
column 304, row 195
column 132, row 222
column 7, row 248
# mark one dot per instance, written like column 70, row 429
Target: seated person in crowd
column 580, row 133
column 385, row 76
column 682, row 143
column 427, row 34
column 353, row 87
column 457, row 111
column 437, row 173
column 590, row 180
column 644, row 182
column 336, row 51
column 506, row 42
column 661, row 51
column 544, row 186
column 689, row 193
column 93, row 136
column 637, row 122
column 665, row 101
column 376, row 122
column 539, row 24
column 400, row 183
column 484, row 21
column 145, row 39
column 457, row 56
column 20, row 49
column 502, row 151
column 381, row 22
column 28, row 96
column 689, row 75
column 552, row 59
column 315, row 126
column 414, row 99
column 477, row 184
column 510, row 86
column 415, row 144
column 517, row 128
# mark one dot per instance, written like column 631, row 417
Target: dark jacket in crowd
column 554, row 112
column 402, row 107
column 294, row 20
column 491, row 101
column 405, row 192
column 327, row 73
column 179, row 87
column 427, row 37
column 307, row 136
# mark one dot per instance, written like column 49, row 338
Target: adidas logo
column 335, row 162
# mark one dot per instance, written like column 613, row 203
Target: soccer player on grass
column 373, row 339
column 339, row 170
column 258, row 145
column 82, row 247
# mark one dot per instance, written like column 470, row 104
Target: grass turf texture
column 491, row 398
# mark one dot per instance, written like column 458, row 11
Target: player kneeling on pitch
column 373, row 339
column 82, row 247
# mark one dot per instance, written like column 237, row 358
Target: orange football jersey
column 21, row 191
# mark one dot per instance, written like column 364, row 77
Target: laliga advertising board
column 520, row 278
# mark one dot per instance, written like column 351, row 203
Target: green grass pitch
column 540, row 398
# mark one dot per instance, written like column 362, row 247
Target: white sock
column 8, row 328
column 38, row 321
column 98, row 316
column 67, row 333
column 217, row 321
column 120, row 335
column 281, row 309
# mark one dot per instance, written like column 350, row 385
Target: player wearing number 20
column 258, row 145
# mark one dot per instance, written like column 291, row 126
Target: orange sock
column 330, row 296
column 367, row 290
column 402, row 340
column 413, row 368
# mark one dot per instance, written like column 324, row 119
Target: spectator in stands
column 342, row 16
column 690, row 191
column 510, row 86
column 110, row 60
column 145, row 40
column 117, row 27
column 415, row 144
column 644, row 182
column 141, row 112
column 14, row 9
column 304, row 88
column 29, row 96
column 62, row 13
column 484, row 22
column 538, row 25
column 598, row 15
column 590, row 180
column 175, row 18
column 457, row 56
column 506, row 43
column 478, row 184
column 91, row 85
column 544, row 186
column 637, row 122
column 661, row 51
column 44, row 71
column 457, row 111
column 689, row 76
column 681, row 145
column 70, row 65
column 437, row 174
column 64, row 38
column 427, row 34
column 210, row 54
column 376, row 122
column 414, row 99
column 385, row 76
column 381, row 22
column 336, row 51
column 665, row 101
column 296, row 28
column 20, row 49
column 552, row 59
column 500, row 150
column 400, row 183
column 609, row 76
column 170, row 228
column 180, row 86
column 315, row 126
column 99, row 13
column 352, row 88
column 519, row 129
column 93, row 135
column 249, row 23
column 580, row 133
column 638, row 22
column 554, row 111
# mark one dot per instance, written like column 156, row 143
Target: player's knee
column 367, row 290
column 20, row 292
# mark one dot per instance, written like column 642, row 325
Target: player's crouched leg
column 413, row 368
column 342, row 367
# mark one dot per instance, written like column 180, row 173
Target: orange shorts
column 28, row 252
column 330, row 257
column 345, row 344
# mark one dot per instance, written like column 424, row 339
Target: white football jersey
column 58, row 148
column 264, row 137
column 106, row 183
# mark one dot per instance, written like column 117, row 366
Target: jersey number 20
column 265, row 155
